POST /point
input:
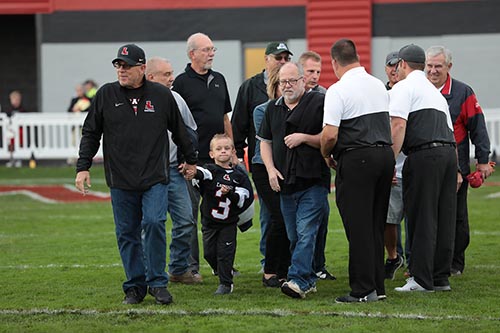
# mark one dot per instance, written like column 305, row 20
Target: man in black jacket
column 252, row 93
column 133, row 115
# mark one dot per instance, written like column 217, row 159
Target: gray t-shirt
column 188, row 119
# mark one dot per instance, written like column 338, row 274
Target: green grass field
column 60, row 271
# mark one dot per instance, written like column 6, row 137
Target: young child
column 227, row 203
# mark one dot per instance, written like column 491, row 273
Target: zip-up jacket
column 468, row 122
column 251, row 94
column 135, row 146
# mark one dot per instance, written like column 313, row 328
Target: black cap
column 277, row 48
column 412, row 53
column 392, row 58
column 131, row 54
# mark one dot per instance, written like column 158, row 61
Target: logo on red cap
column 125, row 51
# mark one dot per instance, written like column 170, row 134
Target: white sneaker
column 292, row 289
column 412, row 285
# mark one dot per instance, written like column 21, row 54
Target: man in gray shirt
column 160, row 70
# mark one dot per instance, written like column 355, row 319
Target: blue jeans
column 180, row 210
column 137, row 212
column 303, row 212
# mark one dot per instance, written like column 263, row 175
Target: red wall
column 48, row 6
column 330, row 20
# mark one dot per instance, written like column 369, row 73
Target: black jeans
column 277, row 243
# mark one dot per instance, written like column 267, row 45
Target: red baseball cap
column 475, row 179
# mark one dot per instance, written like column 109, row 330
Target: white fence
column 57, row 135
column 46, row 135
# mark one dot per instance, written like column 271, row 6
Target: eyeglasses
column 291, row 82
column 123, row 65
column 208, row 49
column 281, row 57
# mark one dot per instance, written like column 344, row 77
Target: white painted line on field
column 252, row 312
column 27, row 266
column 493, row 195
column 30, row 194
column 486, row 233
column 249, row 268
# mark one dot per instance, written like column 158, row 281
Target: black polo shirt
column 208, row 99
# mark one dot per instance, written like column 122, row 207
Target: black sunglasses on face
column 281, row 57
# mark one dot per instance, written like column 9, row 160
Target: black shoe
column 325, row 275
column 391, row 266
column 133, row 295
column 224, row 290
column 161, row 295
column 371, row 297
column 272, row 282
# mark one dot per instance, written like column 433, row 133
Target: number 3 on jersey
column 223, row 205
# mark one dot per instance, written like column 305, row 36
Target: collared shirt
column 416, row 100
column 207, row 97
column 358, row 104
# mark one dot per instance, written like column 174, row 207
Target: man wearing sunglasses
column 133, row 117
column 251, row 94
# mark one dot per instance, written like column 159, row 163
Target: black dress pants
column 363, row 187
column 429, row 196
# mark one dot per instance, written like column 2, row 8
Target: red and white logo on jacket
column 149, row 107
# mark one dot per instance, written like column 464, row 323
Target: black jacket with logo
column 135, row 147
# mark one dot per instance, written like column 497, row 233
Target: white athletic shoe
column 412, row 285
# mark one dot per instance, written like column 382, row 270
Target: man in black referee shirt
column 422, row 129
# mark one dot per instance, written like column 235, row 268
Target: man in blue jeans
column 181, row 212
column 133, row 116
column 290, row 141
